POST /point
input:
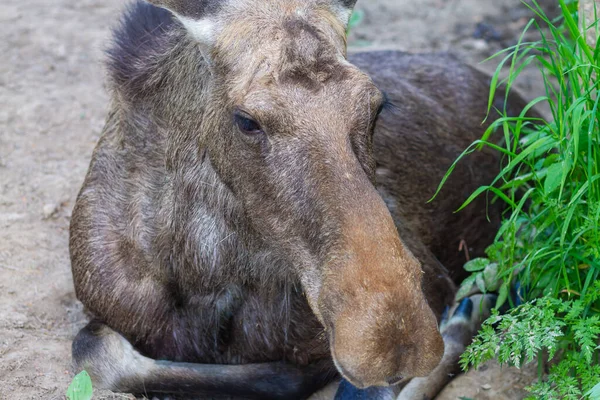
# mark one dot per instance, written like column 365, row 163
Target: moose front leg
column 458, row 327
column 458, row 332
column 114, row 364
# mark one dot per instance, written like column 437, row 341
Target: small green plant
column 548, row 246
column 81, row 387
column 355, row 19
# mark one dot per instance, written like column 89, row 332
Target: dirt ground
column 52, row 107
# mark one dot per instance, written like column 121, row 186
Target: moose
column 254, row 222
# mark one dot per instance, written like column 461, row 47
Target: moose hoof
column 460, row 323
column 347, row 391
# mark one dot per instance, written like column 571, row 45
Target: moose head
column 287, row 125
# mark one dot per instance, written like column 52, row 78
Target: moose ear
column 197, row 16
column 195, row 9
column 343, row 9
column 348, row 3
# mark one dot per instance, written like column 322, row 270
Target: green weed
column 356, row 19
column 81, row 387
column 548, row 245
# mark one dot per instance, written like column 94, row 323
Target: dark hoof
column 516, row 298
column 464, row 309
column 517, row 294
column 347, row 391
column 467, row 317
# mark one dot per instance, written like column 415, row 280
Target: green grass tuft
column 549, row 241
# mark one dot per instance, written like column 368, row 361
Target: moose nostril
column 395, row 380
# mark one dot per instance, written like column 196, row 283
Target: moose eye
column 384, row 105
column 246, row 124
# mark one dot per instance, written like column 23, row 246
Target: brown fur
column 201, row 244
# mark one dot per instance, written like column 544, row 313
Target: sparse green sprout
column 355, row 19
column 81, row 387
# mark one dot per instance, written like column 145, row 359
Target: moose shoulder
column 255, row 213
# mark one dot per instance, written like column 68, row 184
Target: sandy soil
column 52, row 106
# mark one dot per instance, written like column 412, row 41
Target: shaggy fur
column 194, row 242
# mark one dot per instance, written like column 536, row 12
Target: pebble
column 476, row 44
column 486, row 386
column 486, row 31
column 50, row 210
